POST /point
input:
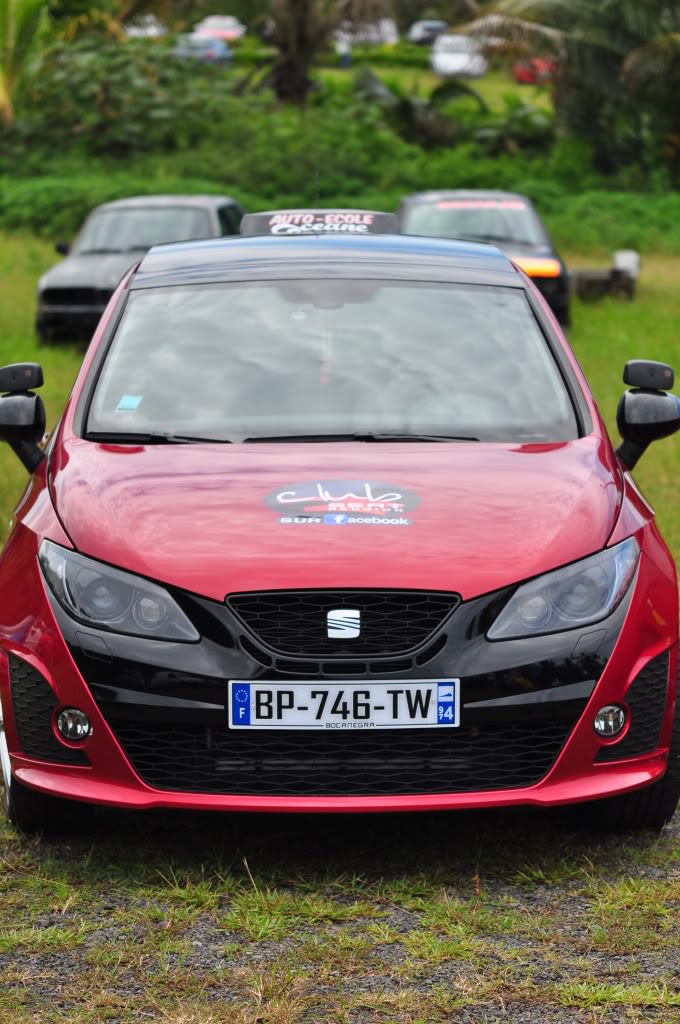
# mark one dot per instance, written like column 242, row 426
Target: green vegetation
column 307, row 920
column 19, row 21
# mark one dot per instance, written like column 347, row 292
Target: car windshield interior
column 492, row 220
column 135, row 229
column 236, row 362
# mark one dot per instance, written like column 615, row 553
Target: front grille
column 646, row 698
column 219, row 760
column 321, row 669
column 33, row 702
column 293, row 622
column 75, row 296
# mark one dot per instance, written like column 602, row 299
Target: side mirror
column 22, row 414
column 63, row 248
column 648, row 413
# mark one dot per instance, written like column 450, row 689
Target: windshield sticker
column 342, row 503
column 129, row 403
column 481, row 204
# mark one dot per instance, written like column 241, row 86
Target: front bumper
column 159, row 719
column 72, row 322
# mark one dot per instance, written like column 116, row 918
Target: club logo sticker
column 343, row 503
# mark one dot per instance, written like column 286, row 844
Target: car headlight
column 578, row 595
column 111, row 599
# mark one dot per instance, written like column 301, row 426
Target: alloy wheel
column 5, row 764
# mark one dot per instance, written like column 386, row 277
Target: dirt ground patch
column 194, row 919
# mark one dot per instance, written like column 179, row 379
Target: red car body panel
column 550, row 505
column 194, row 517
column 31, row 632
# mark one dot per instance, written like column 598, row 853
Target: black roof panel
column 349, row 256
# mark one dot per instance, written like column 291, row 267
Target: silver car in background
column 455, row 56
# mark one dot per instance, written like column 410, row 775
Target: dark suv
column 73, row 295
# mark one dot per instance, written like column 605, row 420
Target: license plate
column 418, row 703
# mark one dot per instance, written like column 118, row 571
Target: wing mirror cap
column 648, row 375
column 22, row 414
column 647, row 413
column 22, row 418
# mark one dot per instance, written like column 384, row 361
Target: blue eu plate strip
column 240, row 704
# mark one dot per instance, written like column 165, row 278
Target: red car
column 534, row 71
column 331, row 522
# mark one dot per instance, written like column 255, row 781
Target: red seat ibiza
column 331, row 522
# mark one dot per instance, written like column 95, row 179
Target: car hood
column 215, row 520
column 97, row 271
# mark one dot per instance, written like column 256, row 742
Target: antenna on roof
column 316, row 184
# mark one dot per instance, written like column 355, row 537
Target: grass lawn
column 517, row 918
column 493, row 87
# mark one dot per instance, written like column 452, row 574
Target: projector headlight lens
column 578, row 595
column 109, row 598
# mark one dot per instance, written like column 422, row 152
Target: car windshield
column 137, row 228
column 331, row 357
column 490, row 220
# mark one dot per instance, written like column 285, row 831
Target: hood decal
column 342, row 503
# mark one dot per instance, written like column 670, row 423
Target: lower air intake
column 646, row 698
column 217, row 760
column 33, row 702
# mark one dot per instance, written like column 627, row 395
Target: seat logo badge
column 343, row 623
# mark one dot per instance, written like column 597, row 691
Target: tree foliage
column 304, row 28
column 19, row 23
column 619, row 70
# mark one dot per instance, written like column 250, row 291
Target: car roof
column 166, row 200
column 463, row 193
column 385, row 257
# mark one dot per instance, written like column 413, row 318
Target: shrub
column 117, row 98
column 597, row 221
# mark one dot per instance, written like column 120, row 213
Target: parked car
column 534, row 71
column 505, row 219
column 454, row 56
column 221, row 26
column 383, row 32
column 424, row 33
column 73, row 295
column 205, row 49
column 146, row 26
column 332, row 523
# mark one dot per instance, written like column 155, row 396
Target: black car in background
column 505, row 219
column 73, row 295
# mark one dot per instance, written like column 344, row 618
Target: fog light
column 73, row 724
column 610, row 720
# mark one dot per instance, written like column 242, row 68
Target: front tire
column 35, row 813
column 648, row 808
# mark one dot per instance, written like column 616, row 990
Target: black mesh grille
column 646, row 698
column 294, row 622
column 33, row 702
column 495, row 756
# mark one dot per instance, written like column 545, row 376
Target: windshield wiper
column 153, row 437
column 359, row 436
column 99, row 252
column 502, row 238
